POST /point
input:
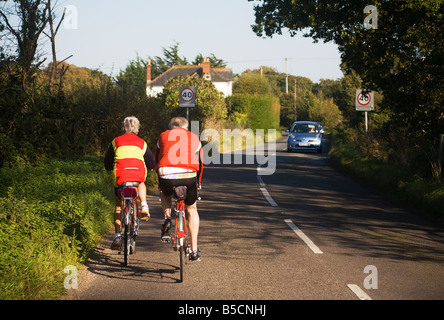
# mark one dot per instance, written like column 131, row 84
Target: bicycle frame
column 130, row 220
column 181, row 239
column 181, row 228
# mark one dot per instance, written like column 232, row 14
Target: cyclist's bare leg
column 142, row 191
column 193, row 224
column 117, row 212
column 166, row 205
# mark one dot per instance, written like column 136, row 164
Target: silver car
column 304, row 135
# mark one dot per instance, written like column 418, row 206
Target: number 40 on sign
column 364, row 100
column 187, row 96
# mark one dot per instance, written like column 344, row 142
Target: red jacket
column 129, row 153
column 180, row 148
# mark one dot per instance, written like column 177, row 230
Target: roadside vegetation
column 51, row 216
column 402, row 174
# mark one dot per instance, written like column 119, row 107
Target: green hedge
column 255, row 111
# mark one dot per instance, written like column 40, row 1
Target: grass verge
column 425, row 195
column 51, row 216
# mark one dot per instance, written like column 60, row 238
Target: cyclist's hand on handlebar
column 199, row 186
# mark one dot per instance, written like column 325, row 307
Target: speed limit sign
column 364, row 100
column 187, row 96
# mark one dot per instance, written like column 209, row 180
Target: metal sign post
column 187, row 99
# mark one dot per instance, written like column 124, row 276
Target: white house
column 222, row 78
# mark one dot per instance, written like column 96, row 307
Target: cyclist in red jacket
column 179, row 159
column 128, row 157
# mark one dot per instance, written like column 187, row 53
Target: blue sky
column 110, row 33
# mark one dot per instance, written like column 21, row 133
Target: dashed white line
column 359, row 292
column 268, row 197
column 265, row 192
column 261, row 182
column 303, row 237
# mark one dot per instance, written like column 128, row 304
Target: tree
column 134, row 74
column 402, row 58
column 252, row 83
column 52, row 36
column 170, row 58
column 33, row 19
column 214, row 61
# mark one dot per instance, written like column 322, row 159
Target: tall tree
column 53, row 33
column 401, row 55
column 214, row 61
column 32, row 20
column 170, row 58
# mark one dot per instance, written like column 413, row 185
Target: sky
column 107, row 34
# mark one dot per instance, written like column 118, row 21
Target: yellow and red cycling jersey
column 130, row 155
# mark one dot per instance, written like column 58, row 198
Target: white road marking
column 359, row 292
column 268, row 197
column 304, row 238
column 261, row 182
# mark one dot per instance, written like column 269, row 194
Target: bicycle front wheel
column 181, row 259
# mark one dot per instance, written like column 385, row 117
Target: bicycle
column 181, row 240
column 130, row 218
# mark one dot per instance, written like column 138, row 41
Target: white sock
column 144, row 203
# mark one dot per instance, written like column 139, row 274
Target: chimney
column 206, row 68
column 148, row 72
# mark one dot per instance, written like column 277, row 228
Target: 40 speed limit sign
column 187, row 96
column 364, row 100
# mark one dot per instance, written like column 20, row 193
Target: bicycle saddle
column 180, row 192
column 130, row 184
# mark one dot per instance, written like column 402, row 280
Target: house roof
column 217, row 74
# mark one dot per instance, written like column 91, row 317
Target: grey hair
column 131, row 125
column 178, row 122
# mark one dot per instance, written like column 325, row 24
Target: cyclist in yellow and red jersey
column 179, row 159
column 128, row 157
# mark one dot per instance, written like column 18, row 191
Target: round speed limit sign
column 364, row 100
column 187, row 96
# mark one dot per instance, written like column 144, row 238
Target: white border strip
column 269, row 198
column 304, row 238
column 261, row 182
column 359, row 292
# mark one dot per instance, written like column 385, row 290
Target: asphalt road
column 307, row 232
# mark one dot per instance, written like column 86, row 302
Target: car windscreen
column 305, row 128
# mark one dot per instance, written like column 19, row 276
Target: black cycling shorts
column 167, row 185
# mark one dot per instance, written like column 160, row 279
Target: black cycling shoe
column 195, row 255
column 165, row 237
